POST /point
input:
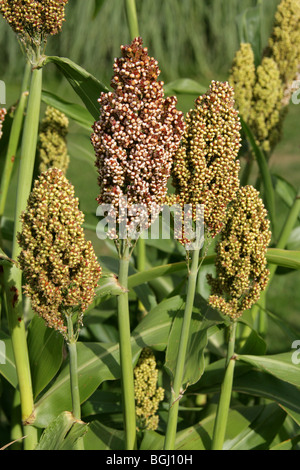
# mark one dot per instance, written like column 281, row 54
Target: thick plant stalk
column 226, row 391
column 132, row 18
column 73, row 369
column 76, row 409
column 14, row 138
column 176, row 391
column 127, row 377
column 13, row 275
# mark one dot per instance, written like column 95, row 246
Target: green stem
column 13, row 275
column 28, row 152
column 73, row 369
column 126, row 353
column 226, row 392
column 14, row 139
column 176, row 391
column 132, row 20
column 141, row 266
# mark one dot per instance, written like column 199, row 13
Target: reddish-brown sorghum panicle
column 60, row 267
column 241, row 255
column 137, row 134
column 205, row 169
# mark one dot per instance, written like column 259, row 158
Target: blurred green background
column 190, row 39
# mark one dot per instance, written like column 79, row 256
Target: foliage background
column 189, row 38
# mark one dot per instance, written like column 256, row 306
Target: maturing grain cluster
column 205, row 169
column 241, row 255
column 136, row 136
column 60, row 267
column 34, row 17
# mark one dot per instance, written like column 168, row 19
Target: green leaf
column 289, row 444
column 7, row 361
column 185, row 86
column 98, row 362
column 45, row 348
column 279, row 365
column 284, row 189
column 198, row 337
column 260, row 384
column 87, row 87
column 102, row 402
column 100, row 437
column 73, row 111
column 294, row 240
column 284, row 258
column 59, row 436
column 152, row 441
column 248, row 428
column 264, row 171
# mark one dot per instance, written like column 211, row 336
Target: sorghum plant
column 60, row 267
column 241, row 277
column 205, row 171
column 136, row 136
column 134, row 140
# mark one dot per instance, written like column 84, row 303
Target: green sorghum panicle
column 60, row 267
column 284, row 43
column 147, row 394
column 34, row 17
column 205, row 169
column 241, row 271
column 242, row 79
column 53, row 151
column 137, row 134
column 2, row 117
column 265, row 117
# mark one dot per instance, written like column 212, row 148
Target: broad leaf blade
column 279, row 365
column 73, row 111
column 45, row 348
column 87, row 87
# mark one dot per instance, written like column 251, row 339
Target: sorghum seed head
column 34, row 17
column 147, row 394
column 205, row 169
column 265, row 116
column 284, row 43
column 241, row 255
column 137, row 134
column 60, row 267
column 242, row 79
column 53, row 151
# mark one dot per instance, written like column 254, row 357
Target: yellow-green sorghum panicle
column 53, row 150
column 241, row 255
column 284, row 43
column 137, row 134
column 60, row 267
column 2, row 117
column 147, row 394
column 205, row 169
column 242, row 79
column 34, row 17
column 265, row 117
